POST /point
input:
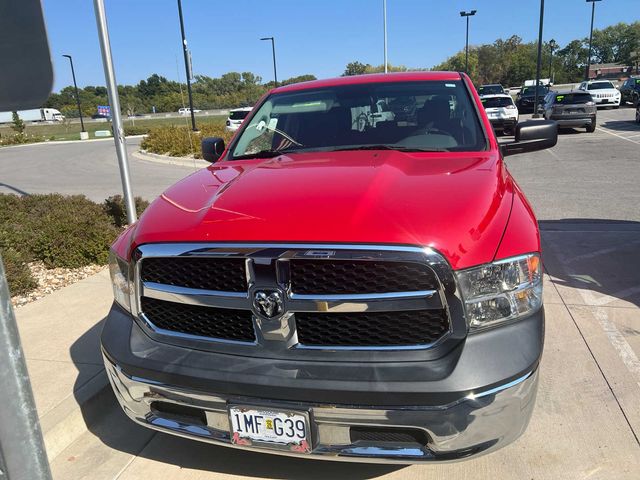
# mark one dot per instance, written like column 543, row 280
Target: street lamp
column 593, row 12
column 384, row 20
column 536, row 114
column 273, row 50
column 75, row 86
column 187, row 63
column 466, row 48
column 552, row 47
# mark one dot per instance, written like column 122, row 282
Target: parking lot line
column 605, row 130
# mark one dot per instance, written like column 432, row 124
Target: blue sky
column 312, row 36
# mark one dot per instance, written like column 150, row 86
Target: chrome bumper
column 473, row 425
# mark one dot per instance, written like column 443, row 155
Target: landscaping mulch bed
column 53, row 279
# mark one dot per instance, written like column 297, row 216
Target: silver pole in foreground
column 22, row 453
column 384, row 14
column 114, row 101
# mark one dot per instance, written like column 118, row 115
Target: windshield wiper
column 261, row 154
column 399, row 148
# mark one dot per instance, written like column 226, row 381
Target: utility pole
column 466, row 47
column 187, row 68
column 384, row 16
column 273, row 52
column 593, row 12
column 539, row 63
column 114, row 101
column 75, row 86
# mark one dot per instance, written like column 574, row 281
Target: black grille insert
column 202, row 321
column 325, row 277
column 222, row 274
column 394, row 435
column 371, row 329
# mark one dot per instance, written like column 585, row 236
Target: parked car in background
column 100, row 116
column 492, row 89
column 326, row 291
column 603, row 92
column 526, row 98
column 187, row 111
column 571, row 108
column 630, row 91
column 638, row 112
column 236, row 117
column 502, row 112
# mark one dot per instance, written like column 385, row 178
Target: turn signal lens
column 120, row 280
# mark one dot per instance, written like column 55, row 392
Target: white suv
column 501, row 111
column 603, row 92
column 236, row 117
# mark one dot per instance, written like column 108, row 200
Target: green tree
column 355, row 68
column 17, row 125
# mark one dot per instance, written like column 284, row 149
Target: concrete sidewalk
column 60, row 337
column 585, row 424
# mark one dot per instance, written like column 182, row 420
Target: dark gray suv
column 573, row 108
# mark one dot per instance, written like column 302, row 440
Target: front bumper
column 607, row 102
column 573, row 122
column 473, row 425
column 475, row 399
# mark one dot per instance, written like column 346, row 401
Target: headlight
column 501, row 291
column 119, row 270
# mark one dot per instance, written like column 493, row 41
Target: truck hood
column 456, row 203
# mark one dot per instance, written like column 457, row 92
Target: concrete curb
column 70, row 419
column 63, row 142
column 166, row 159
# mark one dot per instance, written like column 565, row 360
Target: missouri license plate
column 281, row 429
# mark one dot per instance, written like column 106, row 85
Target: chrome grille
column 223, row 274
column 375, row 329
column 199, row 321
column 351, row 277
column 361, row 302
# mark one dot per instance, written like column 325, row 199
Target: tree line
column 511, row 61
column 507, row 61
column 231, row 90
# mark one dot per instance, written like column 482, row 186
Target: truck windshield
column 408, row 116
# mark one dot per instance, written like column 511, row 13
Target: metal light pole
column 384, row 16
column 273, row 50
column 75, row 86
column 187, row 68
column 539, row 63
column 114, row 101
column 593, row 12
column 552, row 46
column 466, row 47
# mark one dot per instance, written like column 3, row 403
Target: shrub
column 136, row 130
column 20, row 138
column 68, row 231
column 114, row 207
column 61, row 231
column 181, row 141
column 18, row 274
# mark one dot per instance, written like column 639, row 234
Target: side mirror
column 212, row 148
column 531, row 136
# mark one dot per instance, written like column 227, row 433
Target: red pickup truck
column 356, row 276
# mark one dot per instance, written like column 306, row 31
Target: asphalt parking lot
column 586, row 424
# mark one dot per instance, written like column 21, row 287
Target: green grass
column 56, row 131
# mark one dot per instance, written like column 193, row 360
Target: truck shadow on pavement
column 623, row 125
column 597, row 259
column 580, row 255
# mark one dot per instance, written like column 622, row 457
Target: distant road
column 89, row 168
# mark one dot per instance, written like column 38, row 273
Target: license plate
column 281, row 429
column 605, row 100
